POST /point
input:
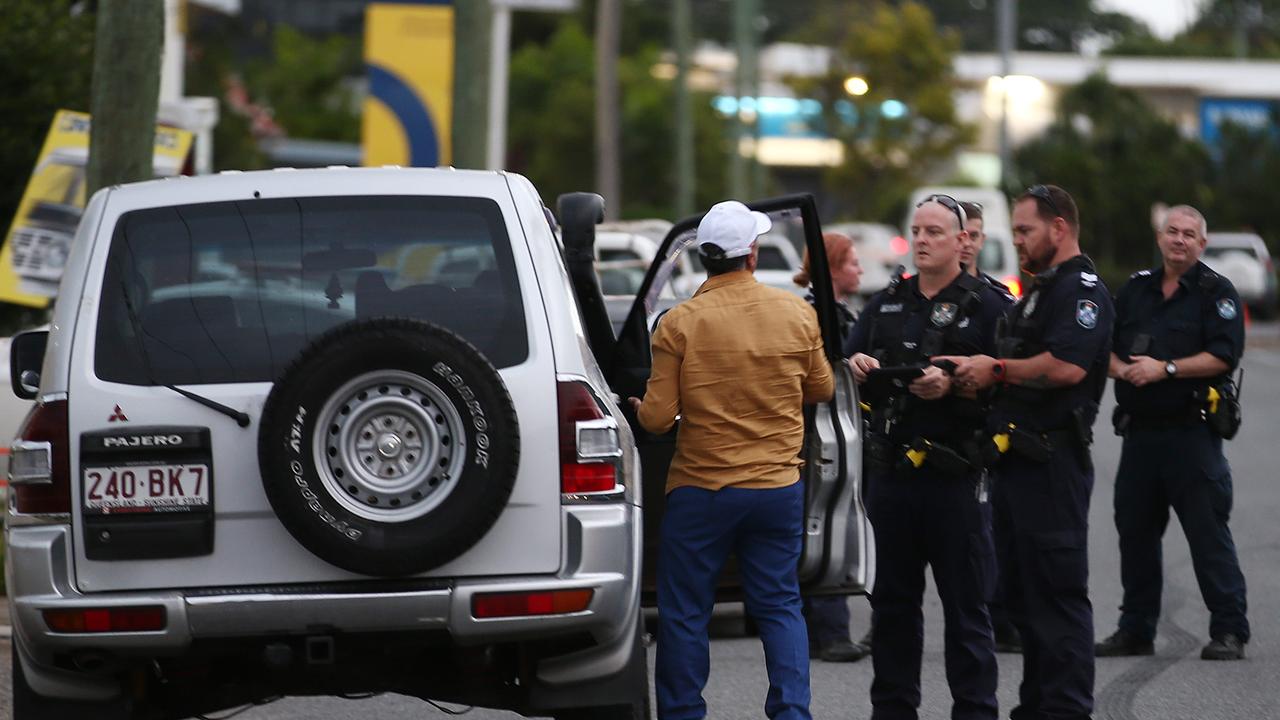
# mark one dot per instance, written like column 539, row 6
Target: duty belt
column 1037, row 446
column 918, row 453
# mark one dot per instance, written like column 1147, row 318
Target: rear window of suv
column 232, row 291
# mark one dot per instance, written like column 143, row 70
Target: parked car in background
column 881, row 249
column 1243, row 259
column 778, row 264
column 998, row 257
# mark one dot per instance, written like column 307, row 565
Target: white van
column 998, row 257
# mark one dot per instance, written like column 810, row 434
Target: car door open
column 836, row 554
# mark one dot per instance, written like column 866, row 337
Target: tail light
column 523, row 604
column 1014, row 284
column 40, row 461
column 101, row 620
column 589, row 445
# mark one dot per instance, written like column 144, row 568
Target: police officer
column 1054, row 350
column 975, row 228
column 1006, row 634
column 1178, row 336
column 926, row 485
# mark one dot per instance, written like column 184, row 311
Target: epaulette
column 1088, row 279
column 1209, row 280
column 896, row 280
column 1140, row 273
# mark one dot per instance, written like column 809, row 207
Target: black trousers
column 923, row 518
column 1042, row 529
column 1184, row 469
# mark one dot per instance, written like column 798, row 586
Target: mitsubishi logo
column 117, row 415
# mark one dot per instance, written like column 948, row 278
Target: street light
column 856, row 85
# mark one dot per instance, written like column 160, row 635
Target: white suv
column 342, row 431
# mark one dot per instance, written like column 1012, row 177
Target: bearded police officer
column 1054, row 350
column 1179, row 334
column 927, row 488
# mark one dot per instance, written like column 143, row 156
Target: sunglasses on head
column 947, row 202
column 1041, row 192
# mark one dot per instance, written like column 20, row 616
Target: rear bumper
column 600, row 550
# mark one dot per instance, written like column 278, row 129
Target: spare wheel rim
column 389, row 446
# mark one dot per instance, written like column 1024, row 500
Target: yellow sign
column 40, row 237
column 408, row 52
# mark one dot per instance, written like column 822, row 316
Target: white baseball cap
column 731, row 227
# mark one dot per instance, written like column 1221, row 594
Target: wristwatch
column 1170, row 368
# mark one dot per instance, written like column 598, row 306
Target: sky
column 1165, row 17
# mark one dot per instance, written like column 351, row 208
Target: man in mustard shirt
column 736, row 363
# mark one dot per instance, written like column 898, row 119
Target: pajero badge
column 943, row 314
column 1087, row 314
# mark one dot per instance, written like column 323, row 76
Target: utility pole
column 737, row 131
column 1006, row 24
column 473, row 20
column 126, row 91
column 608, row 161
column 686, row 169
column 757, row 35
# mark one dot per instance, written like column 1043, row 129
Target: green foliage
column 46, row 52
column 1118, row 158
column 551, row 130
column 304, row 83
column 904, row 57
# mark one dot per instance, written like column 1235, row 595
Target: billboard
column 1251, row 114
column 39, row 239
column 408, row 52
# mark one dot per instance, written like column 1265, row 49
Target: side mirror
column 26, row 356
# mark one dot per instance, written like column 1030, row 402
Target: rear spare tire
column 389, row 446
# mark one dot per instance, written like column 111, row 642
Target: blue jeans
column 700, row 529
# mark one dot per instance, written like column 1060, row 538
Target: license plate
column 146, row 489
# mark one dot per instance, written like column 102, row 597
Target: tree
column 305, row 84
column 905, row 127
column 46, row 50
column 1117, row 157
column 550, row 136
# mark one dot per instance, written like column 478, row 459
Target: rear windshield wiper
column 241, row 418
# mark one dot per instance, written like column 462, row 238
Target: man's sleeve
column 857, row 340
column 819, row 383
column 1121, row 303
column 662, row 395
column 1224, row 324
column 1080, row 322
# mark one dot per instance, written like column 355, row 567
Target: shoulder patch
column 1087, row 314
column 1227, row 309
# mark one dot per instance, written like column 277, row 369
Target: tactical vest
column 1021, row 334
column 947, row 311
column 944, row 314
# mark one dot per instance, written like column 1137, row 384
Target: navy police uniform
column 1043, row 483
column 1171, row 457
column 930, row 506
column 997, row 286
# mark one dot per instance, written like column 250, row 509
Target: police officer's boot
column 1008, row 640
column 1223, row 647
column 1123, row 643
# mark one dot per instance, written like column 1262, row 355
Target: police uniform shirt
column 1202, row 315
column 973, row 334
column 1069, row 313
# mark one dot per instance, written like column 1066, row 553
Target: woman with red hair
column 828, row 617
